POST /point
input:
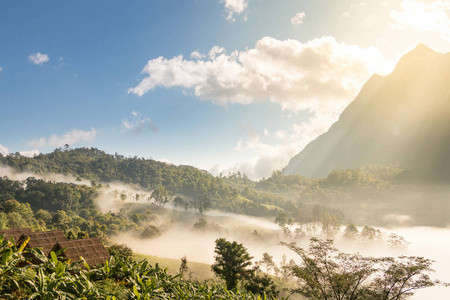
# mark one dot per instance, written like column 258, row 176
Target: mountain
column 403, row 118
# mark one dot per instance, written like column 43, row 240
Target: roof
column 44, row 239
column 16, row 233
column 92, row 250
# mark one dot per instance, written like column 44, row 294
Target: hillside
column 403, row 118
column 193, row 186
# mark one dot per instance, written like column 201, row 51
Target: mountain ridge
column 399, row 118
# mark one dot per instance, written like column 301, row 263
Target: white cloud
column 38, row 58
column 234, row 7
column 72, row 137
column 320, row 75
column 216, row 50
column 4, row 150
column 268, row 157
column 30, row 153
column 424, row 15
column 1, row 69
column 138, row 124
column 197, row 55
column 165, row 160
column 298, row 18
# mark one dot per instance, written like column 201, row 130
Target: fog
column 258, row 235
column 108, row 198
column 14, row 175
column 198, row 245
column 182, row 240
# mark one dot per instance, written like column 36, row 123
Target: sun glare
column 430, row 16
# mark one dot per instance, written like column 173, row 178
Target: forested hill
column 95, row 164
column 170, row 180
column 363, row 195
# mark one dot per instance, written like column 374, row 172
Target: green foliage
column 189, row 187
column 150, row 231
column 282, row 219
column 260, row 283
column 268, row 263
column 326, row 273
column 116, row 279
column 351, row 232
column 231, row 262
column 122, row 252
column 203, row 225
column 165, row 179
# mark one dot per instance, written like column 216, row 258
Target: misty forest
column 356, row 208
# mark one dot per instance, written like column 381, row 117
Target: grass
column 197, row 271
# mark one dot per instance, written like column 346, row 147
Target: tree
column 150, row 231
column 330, row 224
column 260, row 283
column 232, row 260
column 120, row 251
column 282, row 219
column 267, row 262
column 351, row 232
column 397, row 241
column 326, row 273
column 402, row 277
column 178, row 201
column 159, row 195
column 202, row 203
column 201, row 224
column 370, row 234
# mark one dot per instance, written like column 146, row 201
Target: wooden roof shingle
column 92, row 250
column 44, row 239
column 16, row 233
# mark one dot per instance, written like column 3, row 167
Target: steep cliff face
column 403, row 117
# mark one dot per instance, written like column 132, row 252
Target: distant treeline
column 341, row 192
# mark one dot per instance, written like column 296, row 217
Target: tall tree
column 326, row 273
column 232, row 260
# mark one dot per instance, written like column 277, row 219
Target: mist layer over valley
column 181, row 229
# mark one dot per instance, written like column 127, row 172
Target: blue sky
column 223, row 85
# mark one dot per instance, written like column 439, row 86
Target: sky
column 222, row 85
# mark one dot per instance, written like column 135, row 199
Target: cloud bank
column 424, row 15
column 321, row 74
column 38, row 58
column 72, row 137
column 6, row 151
column 29, row 153
column 276, row 153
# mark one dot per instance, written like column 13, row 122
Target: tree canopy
column 326, row 273
column 231, row 262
